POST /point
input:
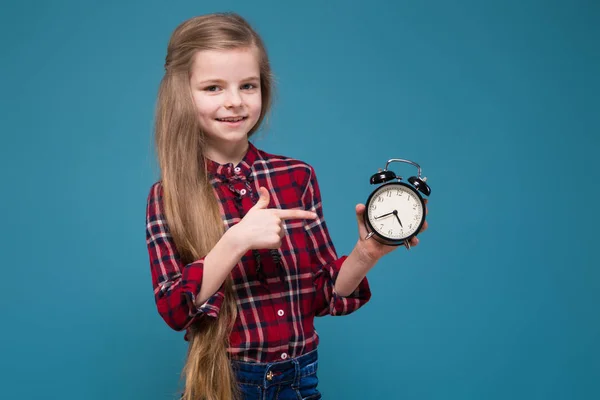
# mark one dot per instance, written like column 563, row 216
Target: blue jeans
column 293, row 379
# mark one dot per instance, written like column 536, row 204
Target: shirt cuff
column 362, row 290
column 191, row 276
column 337, row 304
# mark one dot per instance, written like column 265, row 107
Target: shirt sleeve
column 324, row 258
column 175, row 285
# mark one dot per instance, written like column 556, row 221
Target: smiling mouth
column 237, row 119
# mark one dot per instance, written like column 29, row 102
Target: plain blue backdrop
column 499, row 102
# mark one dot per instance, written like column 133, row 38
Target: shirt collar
column 228, row 171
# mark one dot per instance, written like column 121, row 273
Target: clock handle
column 416, row 181
column 404, row 161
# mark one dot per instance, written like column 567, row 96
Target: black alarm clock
column 395, row 211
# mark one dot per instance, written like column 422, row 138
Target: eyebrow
column 216, row 80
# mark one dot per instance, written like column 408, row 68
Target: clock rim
column 387, row 239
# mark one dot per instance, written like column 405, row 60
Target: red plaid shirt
column 278, row 292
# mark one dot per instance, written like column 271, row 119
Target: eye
column 248, row 86
column 212, row 88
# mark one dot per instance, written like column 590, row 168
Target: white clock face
column 395, row 212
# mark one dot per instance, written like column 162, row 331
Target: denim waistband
column 276, row 373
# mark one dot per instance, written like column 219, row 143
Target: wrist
column 236, row 242
column 366, row 260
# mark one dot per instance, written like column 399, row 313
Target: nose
column 233, row 99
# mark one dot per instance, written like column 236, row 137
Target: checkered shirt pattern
column 278, row 293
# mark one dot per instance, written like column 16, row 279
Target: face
column 226, row 91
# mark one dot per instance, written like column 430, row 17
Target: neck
column 227, row 153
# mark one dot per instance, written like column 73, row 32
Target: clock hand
column 385, row 215
column 396, row 214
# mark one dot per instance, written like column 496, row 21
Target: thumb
column 360, row 212
column 263, row 200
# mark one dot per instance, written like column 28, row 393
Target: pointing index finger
column 295, row 214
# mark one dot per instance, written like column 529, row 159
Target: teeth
column 230, row 119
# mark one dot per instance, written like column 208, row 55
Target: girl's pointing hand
column 262, row 227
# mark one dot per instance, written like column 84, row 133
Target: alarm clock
column 395, row 211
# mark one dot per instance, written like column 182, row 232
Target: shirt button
column 280, row 313
column 283, row 356
column 243, row 192
column 237, row 170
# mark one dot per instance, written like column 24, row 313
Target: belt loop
column 296, row 383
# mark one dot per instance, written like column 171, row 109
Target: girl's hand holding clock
column 373, row 250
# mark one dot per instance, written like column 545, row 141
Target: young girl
column 240, row 254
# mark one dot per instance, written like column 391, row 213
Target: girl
column 239, row 251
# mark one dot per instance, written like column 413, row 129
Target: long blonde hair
column 191, row 207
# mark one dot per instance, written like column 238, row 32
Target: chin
column 232, row 137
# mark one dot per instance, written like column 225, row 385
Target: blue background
column 498, row 101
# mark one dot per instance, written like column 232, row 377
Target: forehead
column 229, row 65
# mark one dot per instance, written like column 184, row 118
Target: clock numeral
column 390, row 232
column 410, row 226
column 398, row 193
column 373, row 206
column 380, row 199
column 381, row 227
column 389, row 193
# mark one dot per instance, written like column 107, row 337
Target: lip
column 233, row 124
column 233, row 116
